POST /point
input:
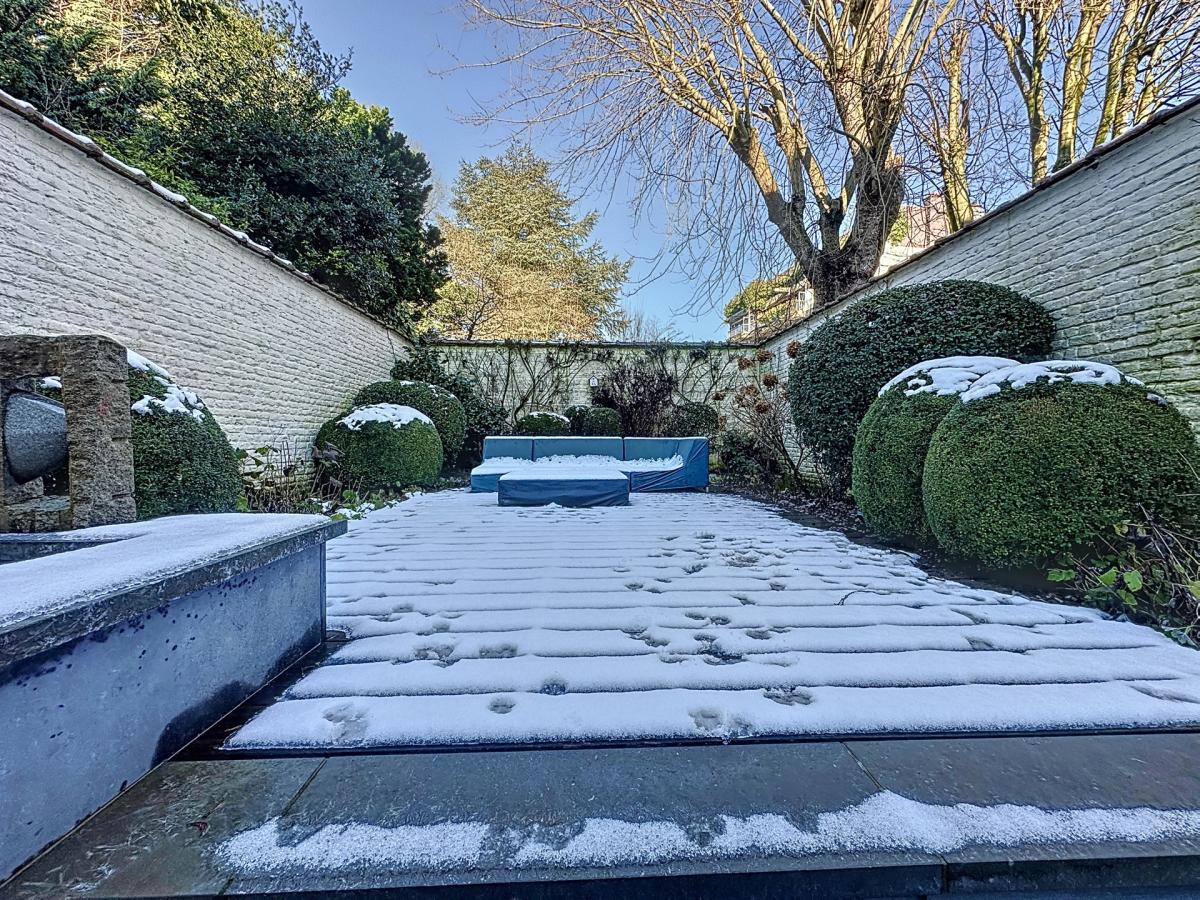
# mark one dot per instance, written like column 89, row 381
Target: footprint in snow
column 693, row 568
column 349, row 720
column 706, row 718
column 498, row 651
column 502, row 705
column 633, row 585
column 789, row 696
column 555, row 687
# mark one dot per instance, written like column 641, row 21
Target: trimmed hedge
column 889, row 459
column 840, row 368
column 691, row 419
column 484, row 415
column 182, row 461
column 600, row 421
column 380, row 455
column 1023, row 476
column 575, row 416
column 543, row 424
column 893, row 440
column 446, row 410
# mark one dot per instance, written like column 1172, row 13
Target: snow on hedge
column 947, row 376
column 1050, row 371
column 885, row 822
column 177, row 399
column 397, row 415
column 552, row 415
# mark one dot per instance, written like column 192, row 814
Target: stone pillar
column 95, row 392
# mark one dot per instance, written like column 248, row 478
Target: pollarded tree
column 741, row 107
column 522, row 265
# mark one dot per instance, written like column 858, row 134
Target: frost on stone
column 885, row 822
column 948, row 376
column 397, row 415
column 1050, row 371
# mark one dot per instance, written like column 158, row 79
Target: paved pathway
column 690, row 616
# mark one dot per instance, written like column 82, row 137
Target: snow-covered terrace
column 690, row 616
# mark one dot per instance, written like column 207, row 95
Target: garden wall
column 1111, row 246
column 88, row 246
column 530, row 376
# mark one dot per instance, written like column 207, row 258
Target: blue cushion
column 577, row 446
column 516, row 447
column 585, row 486
column 693, row 474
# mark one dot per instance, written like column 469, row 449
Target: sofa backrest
column 508, row 447
column 665, row 447
column 577, row 446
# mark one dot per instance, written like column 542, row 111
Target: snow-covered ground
column 685, row 616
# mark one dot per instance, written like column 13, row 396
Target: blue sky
column 401, row 48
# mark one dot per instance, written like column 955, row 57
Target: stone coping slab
column 111, row 573
column 353, row 824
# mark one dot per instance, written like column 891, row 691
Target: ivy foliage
column 838, row 371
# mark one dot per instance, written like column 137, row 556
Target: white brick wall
column 83, row 249
column 1112, row 250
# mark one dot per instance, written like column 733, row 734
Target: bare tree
column 729, row 108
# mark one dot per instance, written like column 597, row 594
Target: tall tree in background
column 737, row 108
column 522, row 265
column 247, row 120
column 1018, row 89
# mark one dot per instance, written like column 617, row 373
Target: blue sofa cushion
column 692, row 474
column 564, row 485
column 578, row 446
column 511, row 447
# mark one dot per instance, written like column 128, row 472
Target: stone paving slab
column 150, row 841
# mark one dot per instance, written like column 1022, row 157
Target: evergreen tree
column 522, row 265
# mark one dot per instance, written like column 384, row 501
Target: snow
column 552, row 415
column 1049, row 371
column 688, row 616
column 505, row 464
column 53, row 383
column 885, row 822
column 535, row 472
column 132, row 556
column 139, row 362
column 948, row 376
column 398, row 415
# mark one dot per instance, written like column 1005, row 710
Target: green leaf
column 1194, row 588
column 1109, row 578
column 1132, row 579
column 1062, row 574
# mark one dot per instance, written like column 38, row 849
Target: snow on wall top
column 383, row 412
column 947, row 376
column 1080, row 371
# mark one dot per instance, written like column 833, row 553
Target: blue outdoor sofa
column 651, row 464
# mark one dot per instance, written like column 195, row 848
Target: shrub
column 839, row 370
column 182, row 461
column 575, row 416
column 742, row 459
column 380, row 446
column 484, row 415
column 641, row 394
column 1038, row 461
column 600, row 421
column 689, row 419
column 543, row 424
column 890, row 447
column 442, row 407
